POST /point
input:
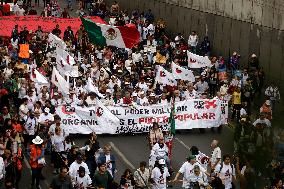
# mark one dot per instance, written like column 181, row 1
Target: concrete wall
column 246, row 26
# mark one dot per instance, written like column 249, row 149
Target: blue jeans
column 92, row 167
column 36, row 172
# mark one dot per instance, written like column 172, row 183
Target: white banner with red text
column 196, row 113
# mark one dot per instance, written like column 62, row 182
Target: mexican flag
column 106, row 35
column 172, row 119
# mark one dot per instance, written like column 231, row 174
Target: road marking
column 29, row 167
column 182, row 143
column 121, row 155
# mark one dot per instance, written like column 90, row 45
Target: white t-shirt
column 83, row 182
column 23, row 111
column 201, row 87
column 142, row 86
column 160, row 180
column 193, row 40
column 57, row 102
column 187, row 169
column 31, row 101
column 226, row 174
column 74, row 167
column 109, row 167
column 63, row 130
column 190, row 95
column 216, row 154
column 20, row 12
column 30, row 126
column 137, row 57
column 41, row 94
column 58, row 142
column 44, row 118
column 201, row 179
column 158, row 151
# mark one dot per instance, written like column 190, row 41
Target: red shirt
column 6, row 8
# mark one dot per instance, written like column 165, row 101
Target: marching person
column 155, row 134
column 102, row 177
column 226, row 171
column 82, row 180
column 187, row 169
column 161, row 151
column 63, row 180
column 57, row 141
column 109, row 159
column 37, row 160
column 197, row 179
column 216, row 154
column 141, row 176
column 74, row 167
column 127, row 180
column 160, row 175
column 272, row 92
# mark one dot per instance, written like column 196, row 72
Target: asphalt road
column 130, row 150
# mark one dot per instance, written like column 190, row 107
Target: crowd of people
column 30, row 127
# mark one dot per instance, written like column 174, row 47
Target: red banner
column 7, row 23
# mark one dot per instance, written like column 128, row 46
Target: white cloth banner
column 196, row 113
column 182, row 73
column 196, row 61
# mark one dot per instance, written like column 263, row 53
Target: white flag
column 55, row 41
column 38, row 77
column 62, row 66
column 182, row 73
column 65, row 56
column 165, row 77
column 196, row 61
column 92, row 88
column 59, row 82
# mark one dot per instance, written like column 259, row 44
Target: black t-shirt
column 91, row 153
column 61, row 183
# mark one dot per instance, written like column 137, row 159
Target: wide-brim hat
column 37, row 140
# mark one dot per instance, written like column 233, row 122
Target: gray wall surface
column 245, row 26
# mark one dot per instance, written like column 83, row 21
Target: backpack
column 233, row 168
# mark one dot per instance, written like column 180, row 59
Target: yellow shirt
column 236, row 98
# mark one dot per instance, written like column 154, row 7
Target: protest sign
column 196, row 113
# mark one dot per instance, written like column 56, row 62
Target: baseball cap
column 191, row 157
